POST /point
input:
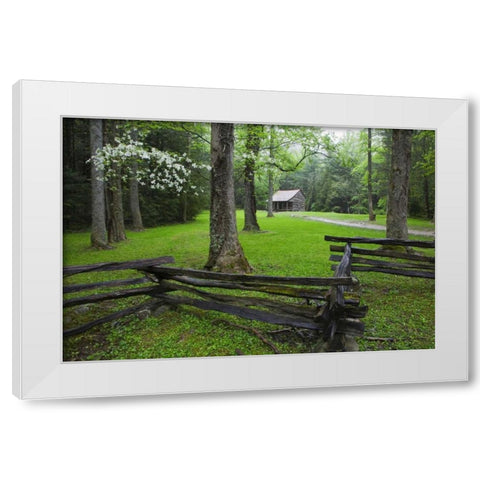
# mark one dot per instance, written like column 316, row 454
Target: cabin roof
column 284, row 195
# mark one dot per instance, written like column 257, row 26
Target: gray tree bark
column 98, row 237
column 397, row 208
column 225, row 252
column 270, row 173
column 270, row 195
column 371, row 213
column 250, row 205
column 137, row 223
column 116, row 223
column 426, row 196
column 184, row 198
column 115, row 220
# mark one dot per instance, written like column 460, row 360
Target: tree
column 382, row 159
column 253, row 142
column 115, row 219
column 137, row 223
column 371, row 213
column 331, row 178
column 225, row 252
column 397, row 207
column 271, row 150
column 98, row 237
column 77, row 175
column 187, row 144
column 288, row 147
column 422, row 177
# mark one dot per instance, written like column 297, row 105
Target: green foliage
column 282, row 149
column 76, row 174
column 76, row 200
column 330, row 168
column 335, row 177
column 169, row 159
column 331, row 179
column 422, row 181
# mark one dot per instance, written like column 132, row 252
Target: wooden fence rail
column 321, row 304
column 110, row 266
column 382, row 241
column 398, row 256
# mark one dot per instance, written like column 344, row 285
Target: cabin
column 288, row 201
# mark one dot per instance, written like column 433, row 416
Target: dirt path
column 426, row 233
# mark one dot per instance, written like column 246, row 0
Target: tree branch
column 185, row 129
column 251, row 330
column 379, row 339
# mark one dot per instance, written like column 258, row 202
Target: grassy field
column 413, row 223
column 400, row 308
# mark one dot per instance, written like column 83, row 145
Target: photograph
column 243, row 240
column 198, row 239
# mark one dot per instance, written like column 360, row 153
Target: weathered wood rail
column 398, row 256
column 319, row 304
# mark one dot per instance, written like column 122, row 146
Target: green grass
column 413, row 223
column 399, row 307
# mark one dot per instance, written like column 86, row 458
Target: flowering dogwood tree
column 132, row 161
column 157, row 169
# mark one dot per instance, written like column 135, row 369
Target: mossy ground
column 399, row 307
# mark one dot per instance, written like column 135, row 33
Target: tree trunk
column 184, row 205
column 371, row 213
column 226, row 253
column 250, row 205
column 270, row 173
column 115, row 223
column 98, row 236
column 137, row 223
column 426, row 196
column 69, row 143
column 184, row 197
column 270, row 194
column 397, row 209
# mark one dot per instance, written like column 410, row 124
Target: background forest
column 335, row 169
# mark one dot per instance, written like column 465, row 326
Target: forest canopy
column 166, row 166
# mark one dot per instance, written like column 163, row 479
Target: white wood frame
column 38, row 370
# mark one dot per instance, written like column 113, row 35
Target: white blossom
column 158, row 169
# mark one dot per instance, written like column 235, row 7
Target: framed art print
column 176, row 240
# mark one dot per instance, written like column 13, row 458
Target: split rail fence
column 320, row 304
column 398, row 256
